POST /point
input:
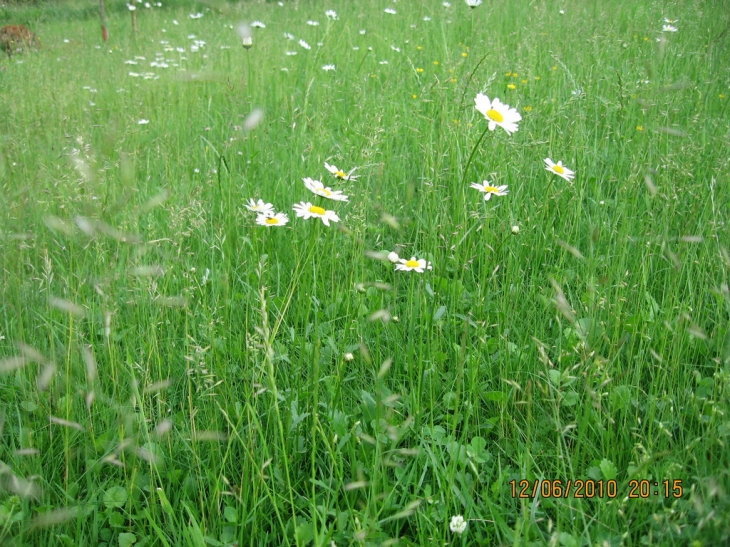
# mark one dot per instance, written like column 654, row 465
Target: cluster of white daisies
column 494, row 111
column 499, row 114
column 267, row 216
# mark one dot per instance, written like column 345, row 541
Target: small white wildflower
column 258, row 24
column 313, row 23
column 327, row 68
column 259, row 206
column 669, row 28
column 288, row 36
column 271, row 219
column 457, row 524
column 418, row 265
column 195, row 15
column 304, row 44
column 391, row 11
column 143, row 122
column 331, row 14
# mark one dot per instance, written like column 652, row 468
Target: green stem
column 471, row 156
column 471, row 75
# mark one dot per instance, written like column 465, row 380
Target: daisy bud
column 349, row 357
column 244, row 32
column 393, row 257
column 515, row 229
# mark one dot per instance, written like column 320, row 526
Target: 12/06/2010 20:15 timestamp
column 589, row 488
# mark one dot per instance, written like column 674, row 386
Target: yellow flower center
column 340, row 174
column 494, row 115
column 559, row 170
column 412, row 263
column 272, row 220
column 325, row 192
column 491, row 189
column 317, row 210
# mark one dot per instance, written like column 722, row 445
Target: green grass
column 173, row 374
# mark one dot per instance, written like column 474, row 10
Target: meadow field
column 379, row 356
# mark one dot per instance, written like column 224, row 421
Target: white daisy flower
column 259, row 206
column 196, row 15
column 306, row 210
column 490, row 190
column 473, row 3
column 258, row 24
column 498, row 113
column 291, row 53
column 271, row 219
column 288, row 36
column 327, row 68
column 313, row 23
column 669, row 28
column 426, row 18
column 446, row 4
column 418, row 265
column 331, row 14
column 304, row 44
column 143, row 122
column 318, row 188
column 559, row 169
column 670, row 21
column 339, row 173
column 390, row 11
column 457, row 524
